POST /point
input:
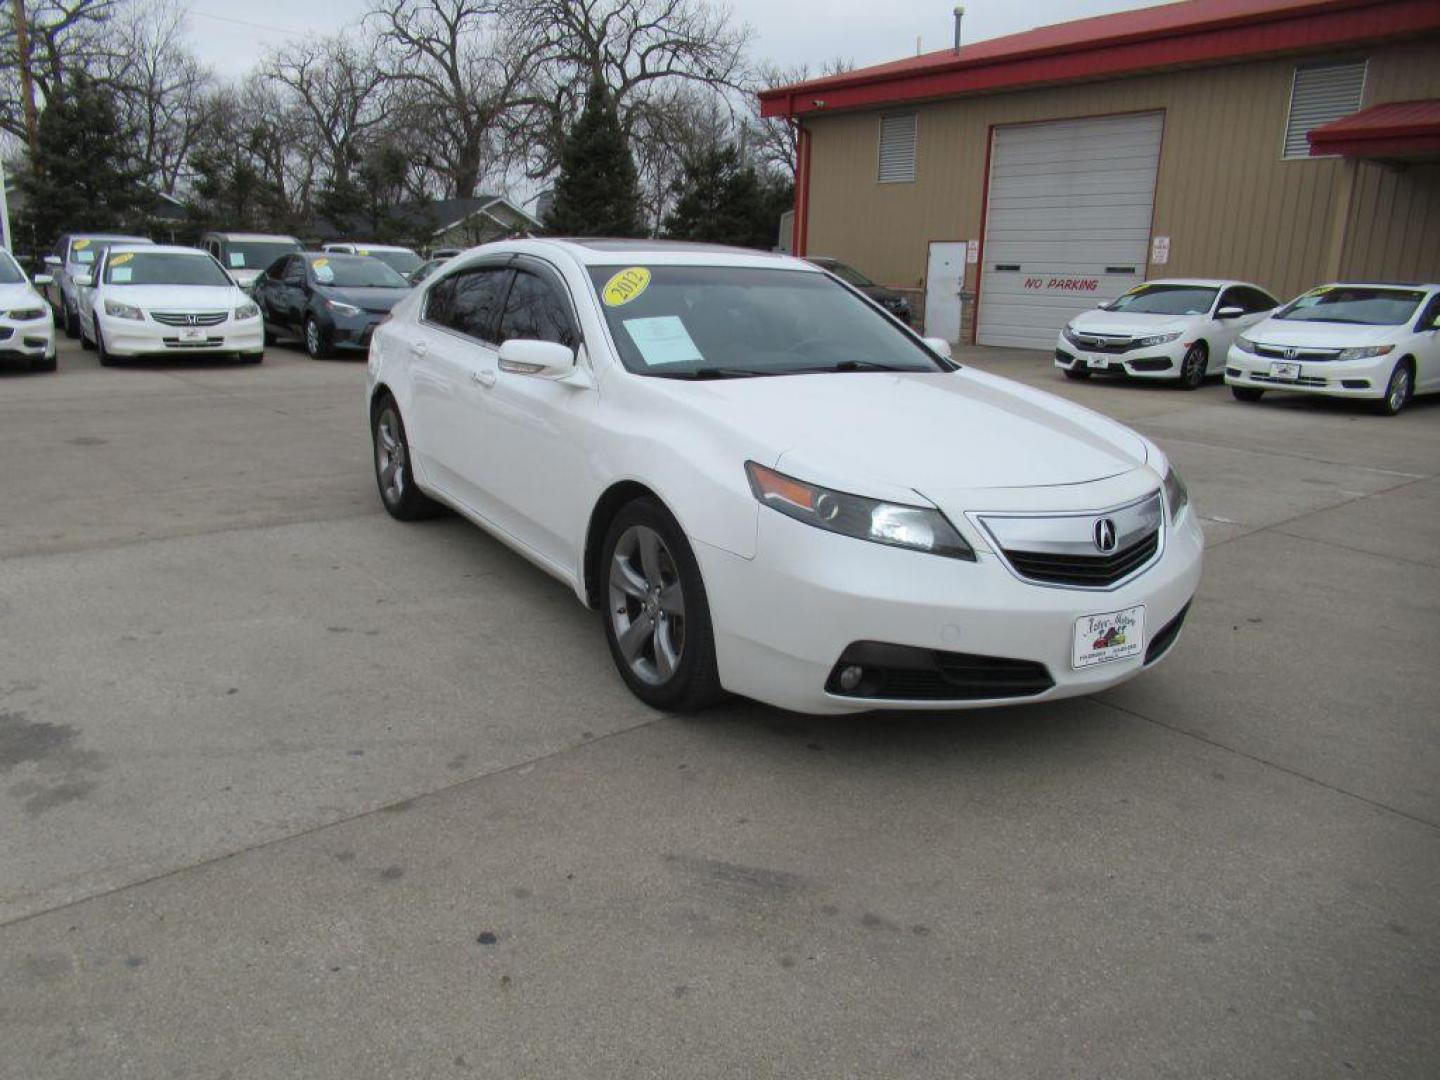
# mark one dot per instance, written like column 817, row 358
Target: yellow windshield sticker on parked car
column 81, row 245
column 625, row 286
column 122, row 258
column 320, row 264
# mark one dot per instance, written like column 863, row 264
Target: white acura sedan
column 768, row 485
column 163, row 301
column 1379, row 343
column 1177, row 330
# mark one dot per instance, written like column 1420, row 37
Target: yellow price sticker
column 364, row 251
column 81, row 245
column 625, row 286
column 319, row 264
column 1321, row 291
column 122, row 258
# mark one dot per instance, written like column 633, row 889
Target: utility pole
column 27, row 89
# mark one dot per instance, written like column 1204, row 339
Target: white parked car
column 163, row 301
column 27, row 325
column 75, row 256
column 1377, row 342
column 1177, row 329
column 769, row 486
column 245, row 256
column 400, row 259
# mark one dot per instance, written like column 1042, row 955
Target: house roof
column 1190, row 33
column 1396, row 129
column 428, row 219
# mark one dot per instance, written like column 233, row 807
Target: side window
column 535, row 311
column 1428, row 317
column 295, row 271
column 440, row 302
column 475, row 304
column 1254, row 300
column 1231, row 297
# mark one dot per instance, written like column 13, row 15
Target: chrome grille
column 189, row 318
column 1086, row 571
column 1101, row 343
column 1304, row 380
column 1281, row 352
column 1063, row 549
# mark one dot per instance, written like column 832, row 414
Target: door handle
column 418, row 348
column 483, row 377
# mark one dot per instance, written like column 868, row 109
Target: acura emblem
column 1291, row 354
column 1105, row 535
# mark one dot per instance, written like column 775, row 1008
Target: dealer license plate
column 1098, row 362
column 192, row 333
column 1114, row 635
column 1282, row 370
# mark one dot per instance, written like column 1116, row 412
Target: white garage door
column 1068, row 222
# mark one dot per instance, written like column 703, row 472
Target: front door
column 944, row 276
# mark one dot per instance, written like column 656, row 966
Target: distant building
column 443, row 223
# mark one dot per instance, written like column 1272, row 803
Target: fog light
column 850, row 677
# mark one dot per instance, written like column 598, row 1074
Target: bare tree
column 773, row 137
column 62, row 35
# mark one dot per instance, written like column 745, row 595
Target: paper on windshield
column 323, row 271
column 237, row 259
column 663, row 340
column 120, row 275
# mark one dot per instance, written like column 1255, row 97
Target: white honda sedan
column 1375, row 342
column 1177, row 330
column 167, row 301
column 770, row 486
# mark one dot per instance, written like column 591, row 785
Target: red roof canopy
column 1394, row 130
column 1127, row 43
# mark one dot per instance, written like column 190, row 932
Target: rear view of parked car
column 27, row 327
column 76, row 254
column 168, row 301
column 1177, row 330
column 331, row 301
column 891, row 300
column 246, row 255
column 1373, row 342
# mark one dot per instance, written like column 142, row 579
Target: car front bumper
column 32, row 339
column 1366, row 378
column 132, row 337
column 354, row 331
column 1157, row 362
column 783, row 619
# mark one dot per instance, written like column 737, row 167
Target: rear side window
column 1253, row 300
column 469, row 302
column 535, row 311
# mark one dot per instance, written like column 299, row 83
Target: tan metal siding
column 1228, row 201
column 1394, row 228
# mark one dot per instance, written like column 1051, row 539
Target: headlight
column 1158, row 339
column 1364, row 352
column 1177, row 495
column 25, row 314
column 117, row 310
column 1244, row 344
column 342, row 309
column 921, row 528
column 1070, row 334
column 247, row 311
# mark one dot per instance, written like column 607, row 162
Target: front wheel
column 106, row 360
column 1193, row 368
column 1398, row 391
column 317, row 342
column 1247, row 393
column 657, row 615
column 393, row 473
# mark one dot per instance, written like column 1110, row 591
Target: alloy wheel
column 1399, row 392
column 312, row 337
column 647, row 605
column 390, row 456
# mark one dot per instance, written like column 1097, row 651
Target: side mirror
column 84, row 281
column 938, row 345
column 42, row 279
column 53, row 260
column 547, row 359
column 1230, row 313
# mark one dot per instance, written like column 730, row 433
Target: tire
column 655, row 611
column 269, row 336
column 1079, row 374
column 394, row 477
column 71, row 321
column 106, row 360
column 1193, row 367
column 43, row 364
column 85, row 342
column 1247, row 393
column 317, row 342
column 1399, row 390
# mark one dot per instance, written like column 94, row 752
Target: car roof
column 607, row 252
column 125, row 237
column 1377, row 285
column 369, row 246
column 161, row 249
column 281, row 237
column 1205, row 283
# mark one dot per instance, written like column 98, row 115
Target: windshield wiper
column 712, row 373
column 852, row 365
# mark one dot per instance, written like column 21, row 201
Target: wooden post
column 27, row 89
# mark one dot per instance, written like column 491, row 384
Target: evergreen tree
column 83, row 175
column 722, row 200
column 596, row 193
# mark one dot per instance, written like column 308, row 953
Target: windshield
column 1346, row 304
column 355, row 272
column 256, row 254
column 403, row 262
column 1165, row 300
column 9, row 272
column 87, row 251
column 163, row 268
column 720, row 322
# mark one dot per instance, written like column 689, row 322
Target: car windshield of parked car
column 255, row 254
column 163, row 268
column 1342, row 304
column 848, row 274
column 730, row 322
column 10, row 272
column 1165, row 300
column 403, row 262
column 355, row 272
column 87, row 252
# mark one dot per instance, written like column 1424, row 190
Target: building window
column 897, row 148
column 1321, row 93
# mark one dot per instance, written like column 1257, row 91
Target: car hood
column 177, row 297
column 368, row 298
column 887, row 434
column 1320, row 334
column 19, row 295
column 1124, row 323
column 246, row 275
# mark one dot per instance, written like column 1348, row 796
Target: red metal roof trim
column 1395, row 129
column 1127, row 43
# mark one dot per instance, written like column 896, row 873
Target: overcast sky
column 230, row 37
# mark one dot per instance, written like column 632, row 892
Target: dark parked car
column 892, row 301
column 331, row 301
column 425, row 269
